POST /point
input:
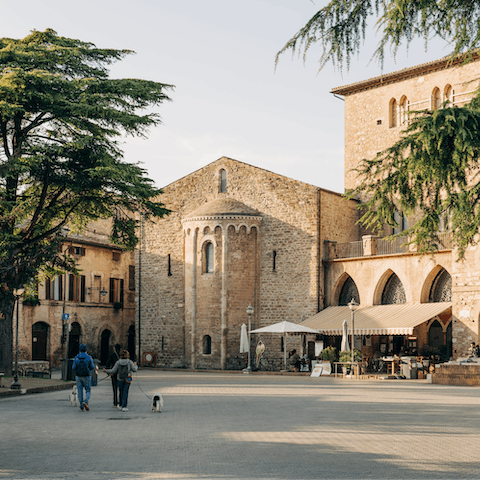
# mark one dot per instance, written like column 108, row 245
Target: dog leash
column 150, row 397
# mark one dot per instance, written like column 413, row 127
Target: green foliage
column 340, row 27
column 61, row 121
column 427, row 351
column 432, row 171
column 347, row 356
column 329, row 354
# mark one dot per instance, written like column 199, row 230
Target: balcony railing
column 373, row 246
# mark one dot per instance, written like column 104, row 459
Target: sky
column 229, row 100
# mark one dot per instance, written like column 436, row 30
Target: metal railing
column 388, row 247
column 384, row 247
column 349, row 250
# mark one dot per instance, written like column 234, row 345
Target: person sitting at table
column 294, row 361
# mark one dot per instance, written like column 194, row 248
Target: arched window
column 402, row 222
column 393, row 113
column 441, row 290
column 223, row 181
column 349, row 290
column 393, row 292
column 436, row 99
column 209, row 263
column 449, row 96
column 403, row 110
column 207, row 345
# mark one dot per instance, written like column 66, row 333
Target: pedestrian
column 83, row 367
column 113, row 357
column 123, row 368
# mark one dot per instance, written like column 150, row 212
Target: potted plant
column 31, row 301
column 328, row 354
column 347, row 357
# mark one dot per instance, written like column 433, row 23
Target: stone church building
column 239, row 235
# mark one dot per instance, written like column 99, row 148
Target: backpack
column 82, row 369
column 122, row 372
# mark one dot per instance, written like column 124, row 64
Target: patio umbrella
column 285, row 327
column 244, row 344
column 345, row 347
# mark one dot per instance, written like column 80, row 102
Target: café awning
column 398, row 319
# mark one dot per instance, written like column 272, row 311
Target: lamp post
column 16, row 384
column 250, row 313
column 352, row 305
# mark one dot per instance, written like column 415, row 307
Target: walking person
column 123, row 368
column 113, row 357
column 83, row 366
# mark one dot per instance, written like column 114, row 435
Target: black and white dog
column 74, row 397
column 157, row 402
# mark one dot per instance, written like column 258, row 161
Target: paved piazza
column 235, row 426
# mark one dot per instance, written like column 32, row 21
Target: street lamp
column 249, row 313
column 352, row 305
column 16, row 384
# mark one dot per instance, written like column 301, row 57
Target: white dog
column 74, row 397
column 157, row 402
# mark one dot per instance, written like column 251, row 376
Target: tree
column 432, row 170
column 61, row 118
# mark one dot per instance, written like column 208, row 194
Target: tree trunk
column 6, row 337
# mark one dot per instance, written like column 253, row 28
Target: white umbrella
column 284, row 327
column 244, row 344
column 345, row 347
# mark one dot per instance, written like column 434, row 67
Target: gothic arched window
column 349, row 290
column 441, row 290
column 393, row 292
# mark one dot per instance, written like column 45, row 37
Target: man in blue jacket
column 83, row 367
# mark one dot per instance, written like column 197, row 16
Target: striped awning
column 398, row 319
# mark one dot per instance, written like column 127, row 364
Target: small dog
column 157, row 402
column 74, row 397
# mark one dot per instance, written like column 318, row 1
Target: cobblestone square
column 235, row 426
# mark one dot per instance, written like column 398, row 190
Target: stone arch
column 344, row 290
column 437, row 286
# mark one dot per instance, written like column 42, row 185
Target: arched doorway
column 74, row 341
column 131, row 342
column 435, row 335
column 40, row 331
column 105, row 346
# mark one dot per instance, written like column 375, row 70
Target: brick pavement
column 233, row 426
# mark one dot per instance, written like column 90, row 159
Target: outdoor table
column 392, row 361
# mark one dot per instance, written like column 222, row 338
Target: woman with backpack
column 123, row 368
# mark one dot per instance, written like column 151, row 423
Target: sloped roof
column 223, row 206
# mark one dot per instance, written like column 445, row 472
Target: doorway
column 131, row 342
column 40, row 341
column 105, row 346
column 74, row 342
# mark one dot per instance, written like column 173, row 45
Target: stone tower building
column 237, row 236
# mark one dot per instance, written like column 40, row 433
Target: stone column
column 194, row 297
column 223, row 300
